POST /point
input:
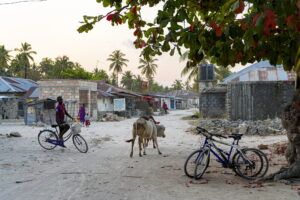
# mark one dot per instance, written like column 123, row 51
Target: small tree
column 226, row 32
column 117, row 62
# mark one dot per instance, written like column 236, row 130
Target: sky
column 51, row 28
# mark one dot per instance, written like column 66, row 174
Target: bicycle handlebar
column 208, row 134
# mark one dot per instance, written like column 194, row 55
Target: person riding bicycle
column 60, row 117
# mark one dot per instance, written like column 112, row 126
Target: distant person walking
column 165, row 107
column 81, row 113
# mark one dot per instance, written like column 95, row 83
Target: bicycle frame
column 219, row 153
column 68, row 135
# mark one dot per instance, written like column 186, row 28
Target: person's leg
column 63, row 129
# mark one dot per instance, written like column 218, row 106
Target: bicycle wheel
column 44, row 137
column 202, row 163
column 190, row 163
column 80, row 143
column 265, row 165
column 249, row 164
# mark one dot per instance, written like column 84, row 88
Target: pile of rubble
column 260, row 127
column 111, row 117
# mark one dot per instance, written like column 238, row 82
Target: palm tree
column 148, row 67
column 127, row 80
column 4, row 59
column 62, row 64
column 118, row 61
column 222, row 72
column 113, row 79
column 47, row 68
column 137, row 81
column 191, row 69
column 26, row 53
column 177, row 85
column 100, row 74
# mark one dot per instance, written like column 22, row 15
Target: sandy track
column 107, row 171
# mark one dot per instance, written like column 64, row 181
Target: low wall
column 212, row 102
column 258, row 100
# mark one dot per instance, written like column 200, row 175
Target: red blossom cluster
column 238, row 57
column 134, row 9
column 269, row 22
column 140, row 43
column 241, row 7
column 217, row 28
column 191, row 28
column 114, row 17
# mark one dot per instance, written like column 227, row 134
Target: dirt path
column 107, row 171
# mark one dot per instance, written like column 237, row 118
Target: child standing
column 87, row 120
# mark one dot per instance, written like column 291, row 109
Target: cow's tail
column 129, row 140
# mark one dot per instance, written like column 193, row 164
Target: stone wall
column 212, row 102
column 83, row 92
column 258, row 100
column 9, row 108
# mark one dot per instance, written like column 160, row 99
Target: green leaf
column 165, row 47
column 172, row 52
column 235, row 6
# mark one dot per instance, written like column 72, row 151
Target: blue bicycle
column 48, row 139
column 249, row 163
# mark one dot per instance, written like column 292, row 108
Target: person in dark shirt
column 60, row 118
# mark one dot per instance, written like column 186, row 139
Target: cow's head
column 161, row 130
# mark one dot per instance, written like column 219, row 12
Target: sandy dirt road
column 107, row 172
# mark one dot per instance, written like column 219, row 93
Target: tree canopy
column 224, row 31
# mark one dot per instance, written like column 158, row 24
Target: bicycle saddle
column 236, row 136
column 54, row 125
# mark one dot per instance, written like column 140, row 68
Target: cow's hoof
column 141, row 155
column 131, row 155
column 144, row 153
column 159, row 153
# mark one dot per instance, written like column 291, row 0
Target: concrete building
column 82, row 92
column 185, row 99
column 12, row 92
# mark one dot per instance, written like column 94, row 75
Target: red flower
column 133, row 10
column 217, row 28
column 136, row 32
column 191, row 28
column 241, row 7
column 244, row 26
column 255, row 18
column 213, row 25
column 290, row 20
column 120, row 20
column 219, row 31
column 269, row 22
column 238, row 57
column 110, row 17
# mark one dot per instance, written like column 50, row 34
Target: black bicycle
column 249, row 163
column 48, row 139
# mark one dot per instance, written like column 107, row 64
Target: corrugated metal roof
column 104, row 94
column 183, row 94
column 101, row 85
column 261, row 71
column 10, row 84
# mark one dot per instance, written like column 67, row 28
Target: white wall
column 105, row 104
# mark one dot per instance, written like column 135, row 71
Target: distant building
column 79, row 91
column 185, row 99
column 261, row 71
column 12, row 92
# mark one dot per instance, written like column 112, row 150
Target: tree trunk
column 291, row 122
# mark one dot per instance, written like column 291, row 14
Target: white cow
column 144, row 129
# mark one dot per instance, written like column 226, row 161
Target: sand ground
column 107, row 172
